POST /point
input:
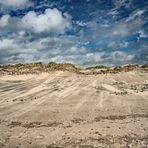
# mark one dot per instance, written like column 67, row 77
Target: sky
column 82, row 32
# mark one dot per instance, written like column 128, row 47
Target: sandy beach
column 67, row 110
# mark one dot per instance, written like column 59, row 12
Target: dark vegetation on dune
column 99, row 67
column 52, row 66
column 36, row 68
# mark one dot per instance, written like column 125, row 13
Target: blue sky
column 82, row 32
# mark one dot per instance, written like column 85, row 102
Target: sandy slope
column 64, row 109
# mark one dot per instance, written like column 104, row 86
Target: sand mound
column 67, row 109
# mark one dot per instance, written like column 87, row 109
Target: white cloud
column 4, row 20
column 30, row 37
column 124, row 29
column 80, row 23
column 142, row 34
column 135, row 14
column 117, row 45
column 17, row 45
column 113, row 58
column 6, row 44
column 16, row 49
column 120, row 30
column 14, row 3
column 127, row 28
column 51, row 21
column 119, row 56
column 120, row 3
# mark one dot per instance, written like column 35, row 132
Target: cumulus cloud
column 97, row 36
column 88, row 59
column 60, row 49
column 116, row 31
column 115, row 45
column 9, row 24
column 16, row 48
column 4, row 20
column 112, row 58
column 51, row 21
column 125, row 29
column 6, row 44
column 13, row 50
column 142, row 34
column 14, row 3
column 121, row 57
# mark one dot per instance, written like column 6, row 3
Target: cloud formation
column 50, row 21
column 14, row 3
column 4, row 20
column 85, row 33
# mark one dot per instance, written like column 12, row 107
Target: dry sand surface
column 68, row 110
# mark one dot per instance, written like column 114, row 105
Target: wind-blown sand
column 64, row 109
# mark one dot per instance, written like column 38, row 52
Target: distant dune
column 36, row 68
column 62, row 106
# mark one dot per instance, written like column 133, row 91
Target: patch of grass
column 19, row 65
column 98, row 67
column 61, row 66
column 144, row 66
column 38, row 63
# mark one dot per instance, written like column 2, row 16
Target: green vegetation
column 99, row 67
column 38, row 63
column 117, row 67
column 145, row 66
column 61, row 66
column 19, row 65
column 52, row 66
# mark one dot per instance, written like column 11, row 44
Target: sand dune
column 64, row 109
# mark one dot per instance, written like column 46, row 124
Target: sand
column 68, row 110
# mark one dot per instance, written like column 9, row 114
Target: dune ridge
column 69, row 109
